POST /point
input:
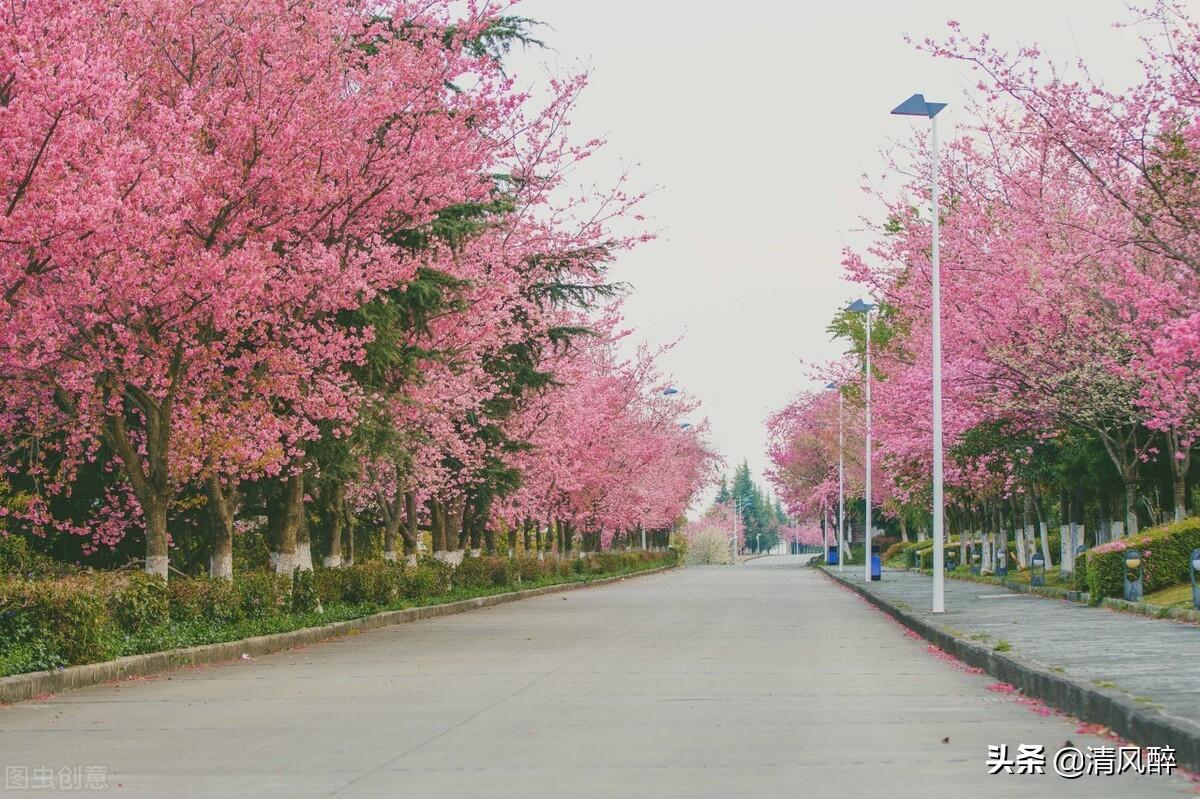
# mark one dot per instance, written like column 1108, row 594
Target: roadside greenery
column 63, row 620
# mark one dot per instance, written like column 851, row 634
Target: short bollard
column 1001, row 563
column 1037, row 570
column 876, row 563
column 1196, row 579
column 1133, row 575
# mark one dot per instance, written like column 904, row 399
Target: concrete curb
column 21, row 687
column 1138, row 723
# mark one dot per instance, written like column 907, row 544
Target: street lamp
column 858, row 306
column 739, row 504
column 841, row 533
column 916, row 106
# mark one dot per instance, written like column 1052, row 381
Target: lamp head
column 858, row 306
column 916, row 106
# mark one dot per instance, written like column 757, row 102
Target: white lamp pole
column 858, row 306
column 841, row 487
column 841, row 537
column 916, row 106
column 867, row 534
column 939, row 538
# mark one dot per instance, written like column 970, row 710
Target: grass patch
column 1177, row 596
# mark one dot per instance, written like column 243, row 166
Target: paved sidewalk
column 1151, row 660
column 707, row 682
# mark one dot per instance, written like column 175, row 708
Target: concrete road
column 756, row 681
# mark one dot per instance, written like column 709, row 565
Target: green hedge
column 89, row 617
column 1165, row 551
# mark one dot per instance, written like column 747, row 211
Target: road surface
column 761, row 680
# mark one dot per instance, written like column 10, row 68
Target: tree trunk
column 303, row 539
column 282, row 521
column 349, row 534
column 903, row 528
column 154, row 511
column 150, row 481
column 456, row 531
column 1131, row 499
column 392, row 519
column 1181, row 462
column 437, row 516
column 1021, row 528
column 337, row 521
column 220, row 561
column 1042, row 531
column 412, row 541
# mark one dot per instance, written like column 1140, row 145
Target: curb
column 1137, row 723
column 21, row 687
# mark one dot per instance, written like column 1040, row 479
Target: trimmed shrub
column 219, row 601
column 443, row 574
column 373, row 583
column 1080, row 577
column 1165, row 553
column 263, row 594
column 140, row 601
column 531, row 569
column 423, row 583
column 472, row 573
column 304, row 592
column 70, row 619
column 86, row 617
column 330, row 584
column 486, row 571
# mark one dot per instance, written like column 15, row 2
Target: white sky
column 758, row 120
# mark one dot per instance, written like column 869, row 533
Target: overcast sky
column 758, row 120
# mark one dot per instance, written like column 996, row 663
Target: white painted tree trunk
column 304, row 556
column 220, row 566
column 389, row 555
column 333, row 561
column 283, row 562
column 157, row 564
column 454, row 557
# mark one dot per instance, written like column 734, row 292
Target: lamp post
column 669, row 391
column 858, row 306
column 918, row 107
column 739, row 504
column 841, row 531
